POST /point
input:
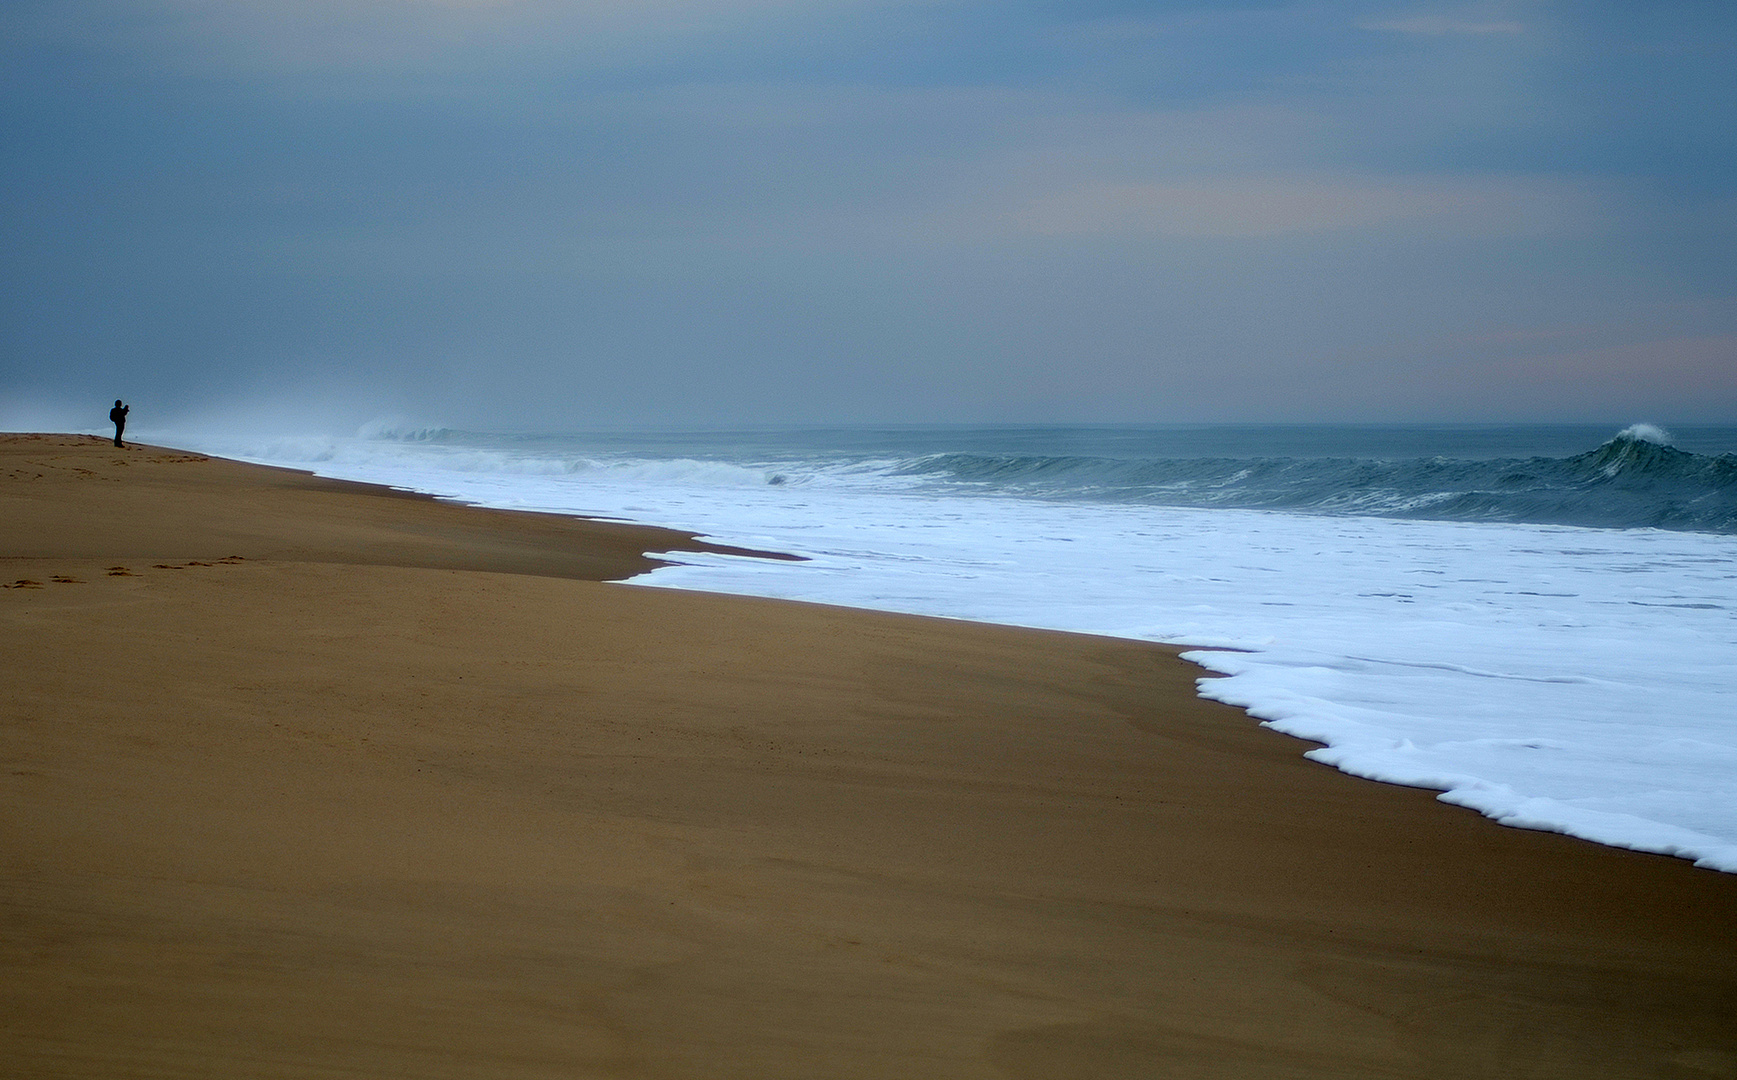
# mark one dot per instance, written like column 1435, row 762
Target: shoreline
column 406, row 789
column 1517, row 786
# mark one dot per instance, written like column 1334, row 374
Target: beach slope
column 312, row 779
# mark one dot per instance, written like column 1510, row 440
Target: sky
column 539, row 215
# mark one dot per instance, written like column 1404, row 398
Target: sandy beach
column 312, row 779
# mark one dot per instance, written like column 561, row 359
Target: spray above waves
column 399, row 429
column 1649, row 433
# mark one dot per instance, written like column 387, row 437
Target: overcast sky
column 531, row 214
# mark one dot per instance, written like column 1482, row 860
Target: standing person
column 119, row 415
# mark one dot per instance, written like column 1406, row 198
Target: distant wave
column 398, row 429
column 1636, row 480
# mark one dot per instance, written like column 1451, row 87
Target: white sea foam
column 1648, row 433
column 1576, row 680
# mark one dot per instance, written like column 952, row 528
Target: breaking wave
column 1636, row 480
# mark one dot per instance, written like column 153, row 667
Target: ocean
column 1540, row 622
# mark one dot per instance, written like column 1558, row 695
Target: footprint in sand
column 122, row 571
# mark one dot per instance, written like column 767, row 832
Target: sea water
column 1539, row 622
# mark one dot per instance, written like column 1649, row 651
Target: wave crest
column 399, row 429
column 1647, row 433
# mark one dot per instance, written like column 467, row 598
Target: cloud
column 1260, row 206
column 815, row 202
column 1440, row 26
column 398, row 38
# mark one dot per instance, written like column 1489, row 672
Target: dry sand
column 405, row 791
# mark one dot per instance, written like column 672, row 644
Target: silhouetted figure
column 119, row 415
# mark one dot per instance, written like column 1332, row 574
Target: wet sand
column 312, row 779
